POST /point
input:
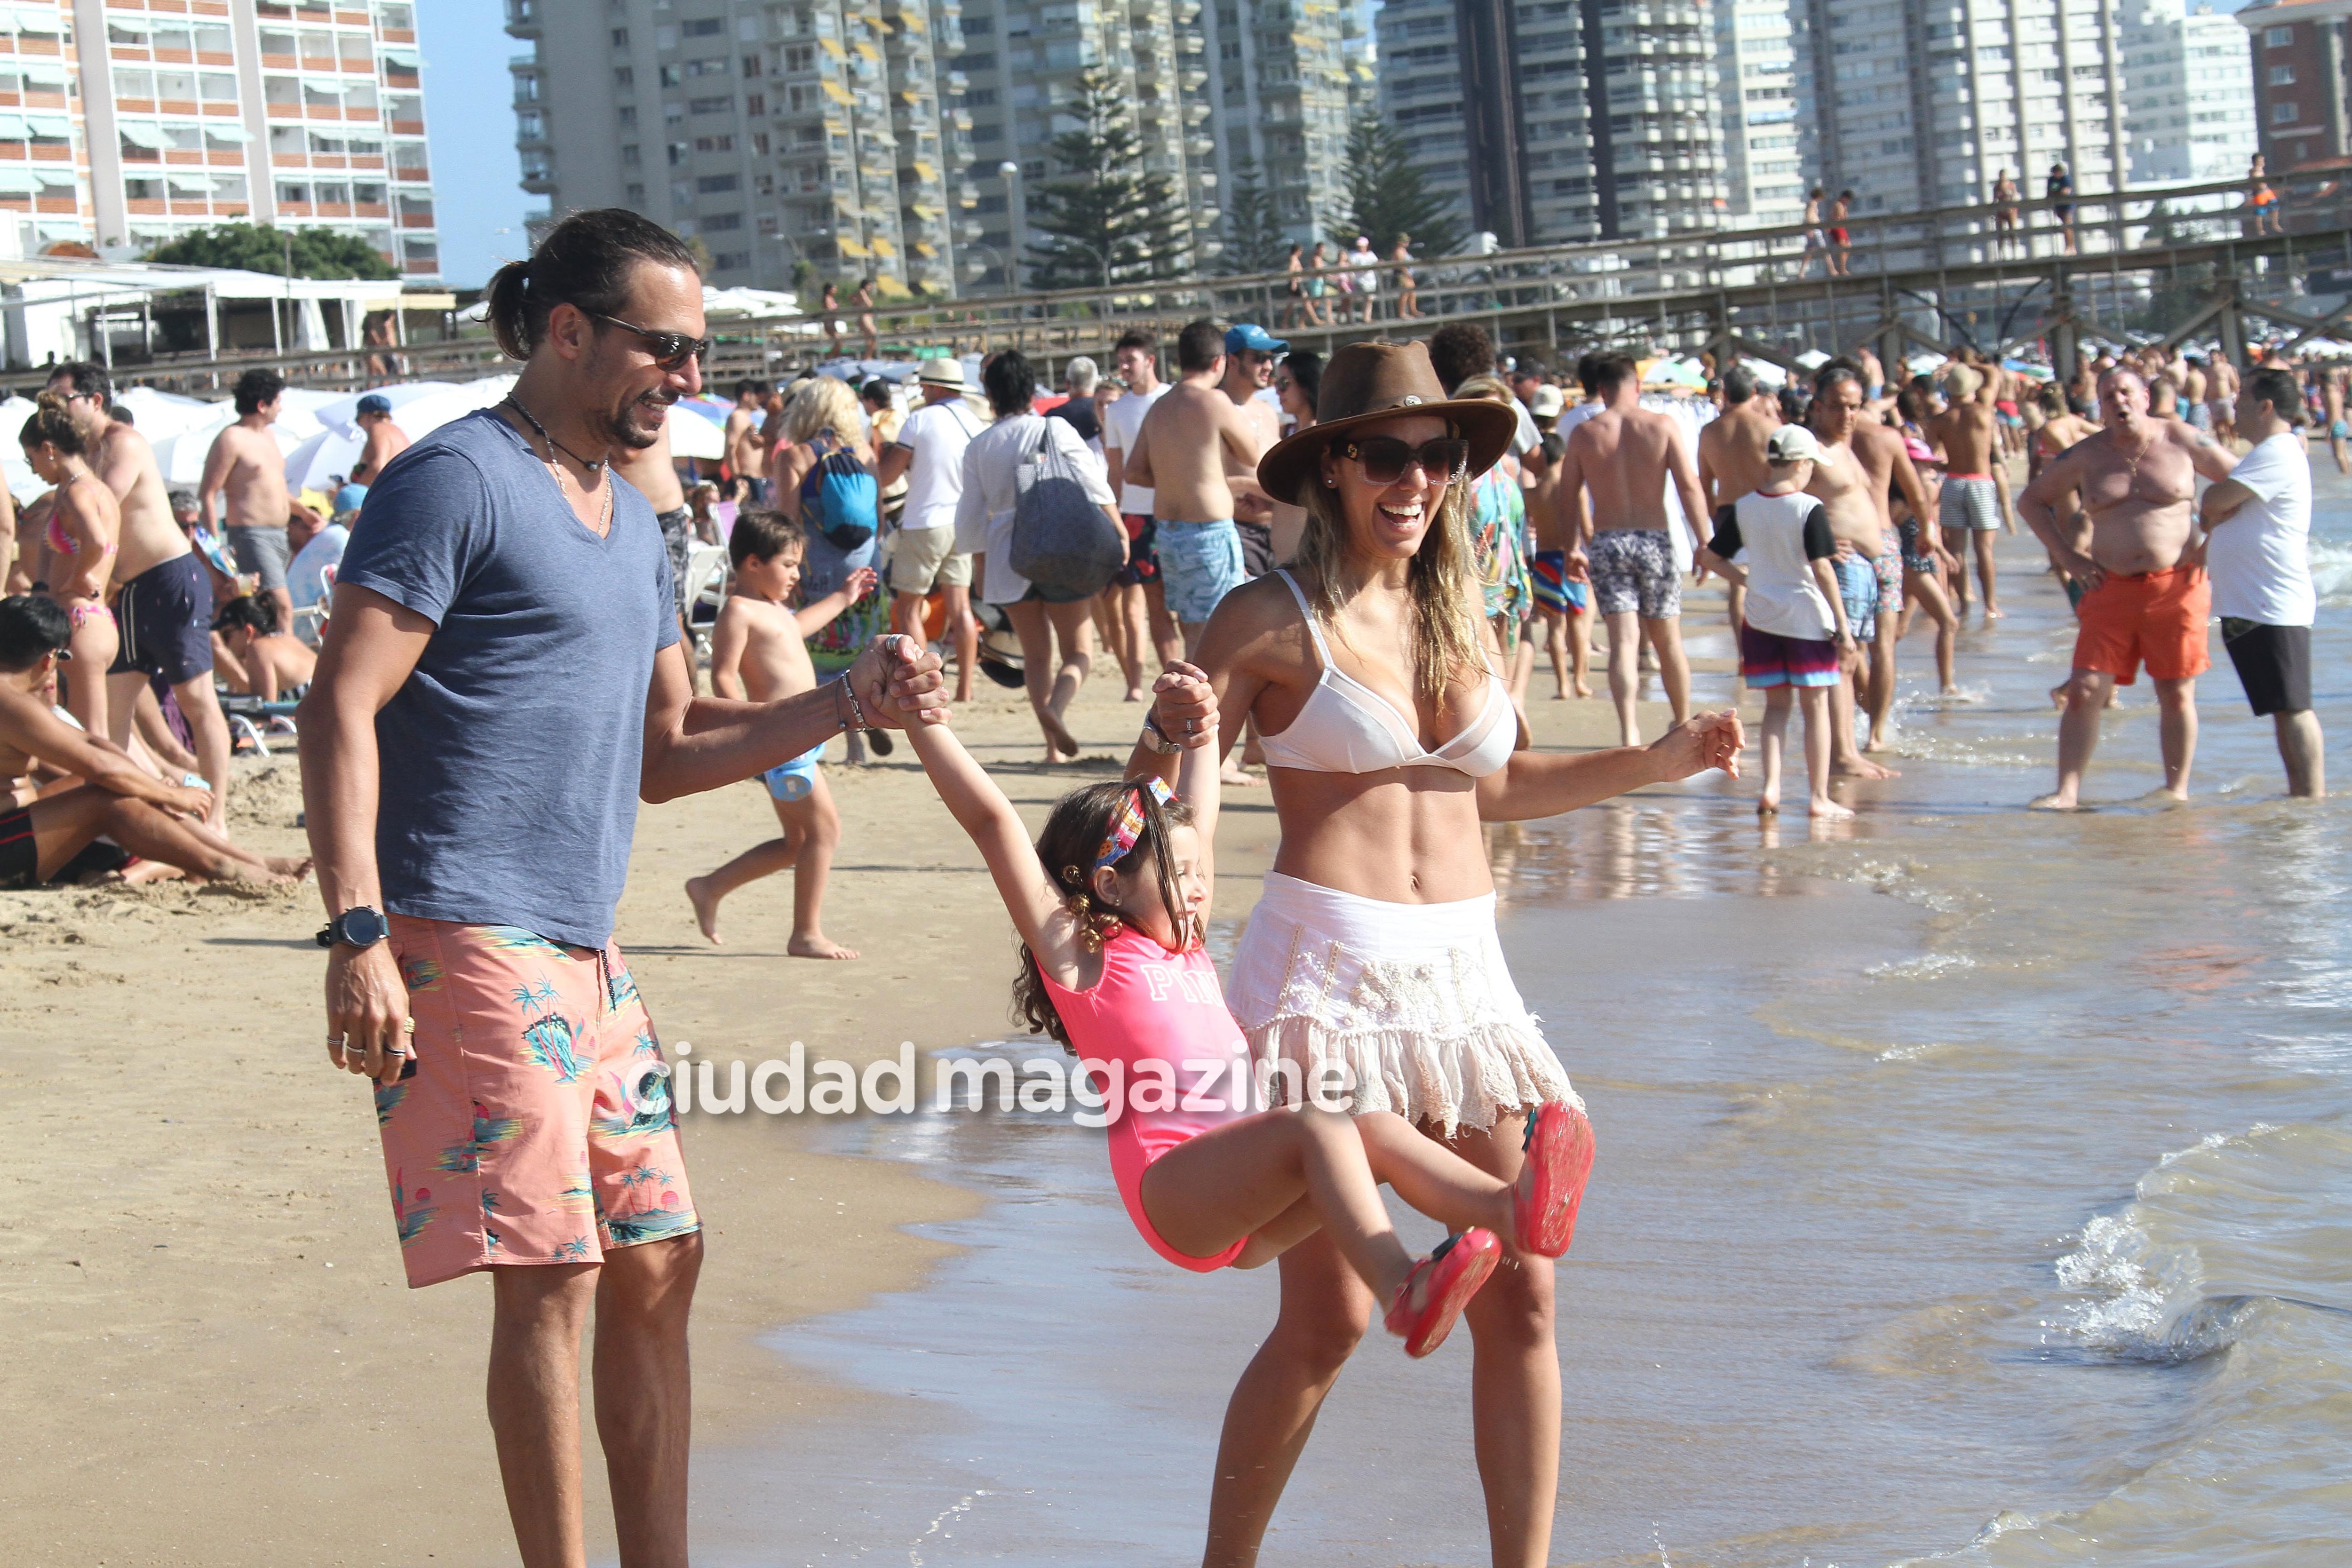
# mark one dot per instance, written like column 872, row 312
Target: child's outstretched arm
column 1197, row 766
column 975, row 802
column 812, row 618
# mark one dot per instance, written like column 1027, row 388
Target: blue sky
column 470, row 124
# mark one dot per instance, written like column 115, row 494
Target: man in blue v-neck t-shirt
column 503, row 681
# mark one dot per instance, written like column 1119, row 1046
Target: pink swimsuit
column 1154, row 1005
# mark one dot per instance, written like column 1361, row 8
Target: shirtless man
column 1197, row 452
column 2221, row 398
column 1251, row 354
column 1562, row 571
column 1974, row 499
column 1623, row 457
column 1842, row 482
column 164, row 608
column 1886, row 466
column 270, row 664
column 2146, row 593
column 95, row 789
column 385, row 440
column 747, row 453
column 245, row 465
column 1731, row 460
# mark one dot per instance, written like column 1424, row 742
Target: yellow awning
column 838, row 93
column 923, row 249
column 848, row 246
column 833, row 48
column 884, row 247
column 867, row 50
column 923, row 170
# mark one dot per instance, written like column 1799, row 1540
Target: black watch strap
column 358, row 926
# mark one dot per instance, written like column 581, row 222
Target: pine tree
column 1106, row 221
column 1387, row 197
column 1255, row 241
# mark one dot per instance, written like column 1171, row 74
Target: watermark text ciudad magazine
column 1091, row 1091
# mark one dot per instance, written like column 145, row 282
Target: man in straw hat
column 1388, row 738
column 928, row 455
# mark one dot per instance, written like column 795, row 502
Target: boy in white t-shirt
column 2258, row 554
column 1793, row 635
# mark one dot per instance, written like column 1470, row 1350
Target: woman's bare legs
column 1926, row 591
column 1073, row 629
column 1036, row 636
column 94, row 643
column 1515, row 1381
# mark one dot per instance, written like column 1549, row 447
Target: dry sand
column 216, row 1358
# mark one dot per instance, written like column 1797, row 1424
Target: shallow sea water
column 1972, row 1186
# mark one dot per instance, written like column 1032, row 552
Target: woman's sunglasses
column 670, row 350
column 1384, row 458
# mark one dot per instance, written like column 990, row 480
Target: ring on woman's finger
column 335, row 1042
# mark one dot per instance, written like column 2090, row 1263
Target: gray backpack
column 1062, row 540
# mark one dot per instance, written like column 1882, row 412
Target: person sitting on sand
column 53, row 835
column 1793, row 634
column 1111, row 903
column 759, row 652
column 256, row 655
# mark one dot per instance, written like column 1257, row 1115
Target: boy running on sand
column 758, row 653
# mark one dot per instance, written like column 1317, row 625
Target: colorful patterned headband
column 1128, row 825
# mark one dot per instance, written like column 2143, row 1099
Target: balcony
column 522, row 18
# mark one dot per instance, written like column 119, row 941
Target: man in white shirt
column 2258, row 554
column 1137, row 358
column 929, row 453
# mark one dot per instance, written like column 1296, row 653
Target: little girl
column 1110, row 904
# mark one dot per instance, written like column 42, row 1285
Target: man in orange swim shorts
column 2145, row 597
column 504, row 683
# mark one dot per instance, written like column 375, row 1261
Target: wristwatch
column 1155, row 740
column 359, row 926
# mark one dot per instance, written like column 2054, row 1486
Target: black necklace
column 591, row 464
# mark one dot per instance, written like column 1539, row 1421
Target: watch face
column 363, row 928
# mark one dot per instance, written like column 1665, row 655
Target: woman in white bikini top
column 1389, row 739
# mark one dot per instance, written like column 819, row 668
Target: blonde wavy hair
column 1442, row 580
column 823, row 402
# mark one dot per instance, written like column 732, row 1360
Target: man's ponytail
column 584, row 262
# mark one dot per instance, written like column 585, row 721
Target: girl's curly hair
column 1073, row 835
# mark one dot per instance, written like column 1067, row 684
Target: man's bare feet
column 2056, row 800
column 1232, row 774
column 818, row 945
column 1993, row 611
column 1058, row 738
column 705, row 907
column 1134, row 694
column 2165, row 795
column 1824, row 809
column 1582, row 690
column 1861, row 767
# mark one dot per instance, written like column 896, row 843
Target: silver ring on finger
column 335, row 1042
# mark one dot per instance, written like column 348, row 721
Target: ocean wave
column 1927, row 966
column 2331, row 571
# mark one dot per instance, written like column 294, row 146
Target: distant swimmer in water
column 2146, row 598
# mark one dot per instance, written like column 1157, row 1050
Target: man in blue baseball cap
column 1251, row 353
column 385, row 440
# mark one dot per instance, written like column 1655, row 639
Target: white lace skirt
column 1413, row 999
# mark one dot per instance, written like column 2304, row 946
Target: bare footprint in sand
column 705, row 907
column 818, row 947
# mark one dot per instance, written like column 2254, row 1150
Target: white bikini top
column 1345, row 726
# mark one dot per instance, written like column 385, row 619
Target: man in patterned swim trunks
column 506, row 638
column 1623, row 458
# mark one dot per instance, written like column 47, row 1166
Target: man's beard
column 625, row 432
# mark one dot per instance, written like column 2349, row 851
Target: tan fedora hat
column 1365, row 382
column 942, row 372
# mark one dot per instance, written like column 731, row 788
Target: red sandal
column 1455, row 1272
column 1558, row 1147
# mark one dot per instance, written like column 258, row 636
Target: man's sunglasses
column 670, row 350
column 1384, row 458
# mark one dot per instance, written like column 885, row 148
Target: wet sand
column 195, row 1251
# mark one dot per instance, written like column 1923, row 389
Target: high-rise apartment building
column 2302, row 82
column 125, row 124
column 1558, row 121
column 873, row 136
column 2189, row 85
column 783, row 134
column 1756, row 65
column 1921, row 103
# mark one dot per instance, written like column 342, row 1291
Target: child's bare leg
column 818, row 827
column 1243, row 1177
column 1816, row 701
column 1778, row 701
column 765, row 858
column 1579, row 647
